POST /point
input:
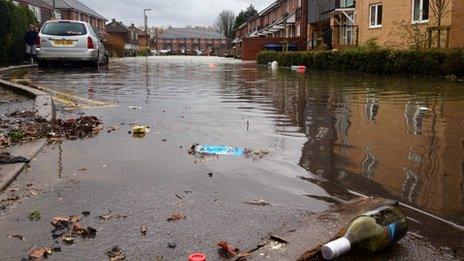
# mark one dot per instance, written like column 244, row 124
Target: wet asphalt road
column 185, row 100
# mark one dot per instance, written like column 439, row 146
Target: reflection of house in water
column 414, row 114
column 411, row 152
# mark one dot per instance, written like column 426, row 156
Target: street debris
column 176, row 216
column 34, row 215
column 22, row 114
column 86, row 213
column 116, row 254
column 69, row 227
column 7, row 158
column 227, row 250
column 111, row 215
column 210, row 174
column 33, row 128
column 112, row 129
column 134, row 107
column 4, row 141
column 207, row 152
column 260, row 202
column 18, row 237
column 172, row 245
column 144, row 230
column 140, row 129
column 37, row 254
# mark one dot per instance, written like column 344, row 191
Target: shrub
column 374, row 60
column 144, row 52
column 14, row 21
column 114, row 46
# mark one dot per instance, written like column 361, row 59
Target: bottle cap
column 336, row 248
column 197, row 257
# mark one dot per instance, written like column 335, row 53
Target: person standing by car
column 30, row 38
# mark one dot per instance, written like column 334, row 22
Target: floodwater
column 331, row 135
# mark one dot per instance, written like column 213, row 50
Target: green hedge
column 14, row 21
column 430, row 62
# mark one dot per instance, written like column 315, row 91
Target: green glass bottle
column 371, row 232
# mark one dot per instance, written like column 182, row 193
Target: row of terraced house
column 337, row 24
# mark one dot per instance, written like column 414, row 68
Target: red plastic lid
column 197, row 257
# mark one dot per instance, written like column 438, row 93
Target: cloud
column 171, row 12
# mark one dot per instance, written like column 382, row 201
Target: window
column 375, row 18
column 298, row 30
column 57, row 15
column 64, row 29
column 420, row 11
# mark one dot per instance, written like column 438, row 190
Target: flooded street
column 331, row 137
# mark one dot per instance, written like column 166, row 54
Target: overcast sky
column 170, row 12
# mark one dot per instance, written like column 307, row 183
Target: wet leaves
column 69, row 227
column 37, row 254
column 116, row 254
column 260, row 202
column 176, row 217
column 34, row 128
column 227, row 250
column 112, row 129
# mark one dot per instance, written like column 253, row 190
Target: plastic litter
column 274, row 65
column 134, row 107
column 140, row 129
column 219, row 150
column 197, row 257
column 371, row 232
column 298, row 68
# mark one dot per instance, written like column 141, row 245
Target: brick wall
column 400, row 11
column 252, row 46
column 457, row 24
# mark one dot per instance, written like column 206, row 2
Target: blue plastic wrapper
column 220, row 150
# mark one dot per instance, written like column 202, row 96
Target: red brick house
column 142, row 38
column 75, row 10
column 125, row 34
column 191, row 41
column 282, row 24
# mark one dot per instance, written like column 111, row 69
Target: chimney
column 113, row 21
column 132, row 25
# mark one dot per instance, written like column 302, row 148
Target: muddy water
column 331, row 136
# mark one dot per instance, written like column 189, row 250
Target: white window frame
column 421, row 7
column 376, row 7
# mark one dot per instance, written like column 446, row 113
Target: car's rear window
column 64, row 29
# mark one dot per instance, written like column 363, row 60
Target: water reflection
column 392, row 137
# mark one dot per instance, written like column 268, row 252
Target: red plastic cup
column 197, row 257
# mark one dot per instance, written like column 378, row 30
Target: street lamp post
column 54, row 12
column 145, row 17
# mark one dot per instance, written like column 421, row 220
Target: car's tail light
column 37, row 42
column 90, row 43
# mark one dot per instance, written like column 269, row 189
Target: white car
column 70, row 41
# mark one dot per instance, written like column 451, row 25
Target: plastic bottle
column 370, row 232
column 220, row 150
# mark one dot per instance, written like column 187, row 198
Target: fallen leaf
column 39, row 253
column 34, row 191
column 116, row 254
column 18, row 237
column 144, row 230
column 82, row 169
column 111, row 215
column 60, row 221
column 86, row 213
column 227, row 249
column 176, row 217
column 260, row 202
column 67, row 239
column 172, row 245
column 74, row 219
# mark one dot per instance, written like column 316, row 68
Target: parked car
column 70, row 41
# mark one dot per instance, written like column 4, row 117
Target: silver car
column 70, row 41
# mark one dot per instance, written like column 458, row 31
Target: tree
column 244, row 16
column 439, row 10
column 225, row 25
